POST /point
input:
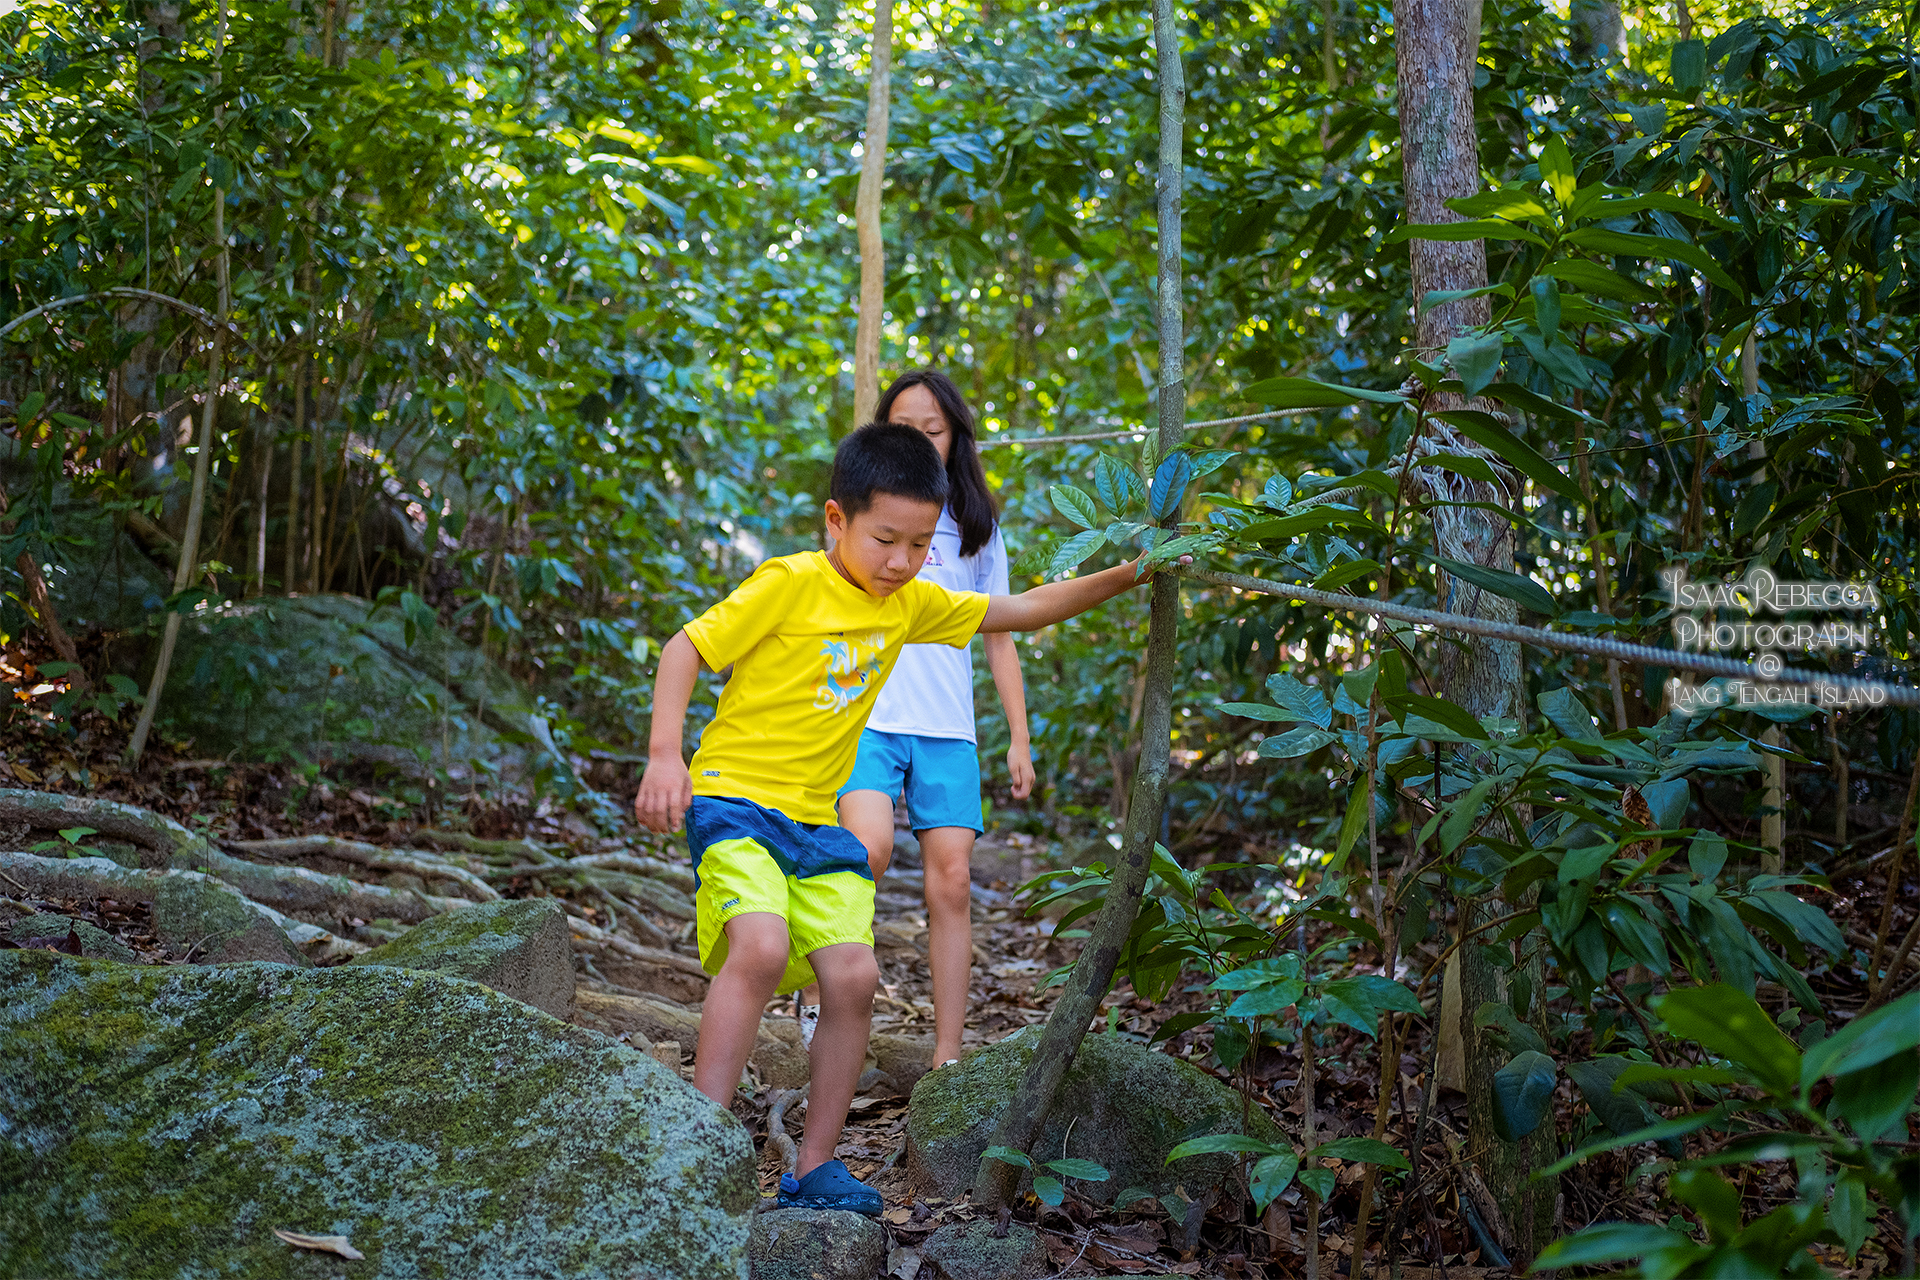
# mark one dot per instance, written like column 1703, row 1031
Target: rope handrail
column 1638, row 655
column 1041, row 442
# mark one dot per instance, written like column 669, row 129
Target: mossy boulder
column 521, row 949
column 1128, row 1107
column 196, row 915
column 976, row 1251
column 95, row 942
column 816, row 1244
column 164, row 1121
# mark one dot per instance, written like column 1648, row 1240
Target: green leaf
column 1303, row 700
column 1307, row 393
column 1340, row 575
column 1465, row 811
column 1556, row 167
column 1591, row 277
column 1258, row 711
column 1706, row 854
column 1579, row 864
column 1850, row 1211
column 1522, row 1092
column 1609, row 1242
column 1877, row 1098
column 1074, row 550
column 1360, row 1150
column 1443, row 713
column 1170, row 480
column 74, row 835
column 1269, row 1177
column 1213, row 1143
column 1866, row 1041
column 1116, row 483
column 1623, row 1111
column 1049, row 1190
column 1476, row 359
column 1546, row 308
column 1634, row 245
column 1689, row 67
column 220, row 171
column 1728, row 1022
column 1483, row 429
column 1295, row 742
column 1278, row 493
column 1085, row 1170
column 1007, row 1155
column 1523, row 591
column 1074, row 505
column 1474, row 229
column 1262, row 1001
column 1677, row 1127
column 1716, row 1200
column 1350, row 828
column 1317, row 1180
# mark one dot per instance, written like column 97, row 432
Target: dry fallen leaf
column 329, row 1244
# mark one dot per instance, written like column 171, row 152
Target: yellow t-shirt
column 808, row 650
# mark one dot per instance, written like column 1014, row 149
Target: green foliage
column 1051, row 1189
column 1762, row 1087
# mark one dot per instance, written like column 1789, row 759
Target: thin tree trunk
column 40, row 602
column 290, row 575
column 1438, row 43
column 197, row 501
column 866, row 217
column 1021, row 1123
column 263, row 441
column 1773, row 769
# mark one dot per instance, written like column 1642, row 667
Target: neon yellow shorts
column 751, row 859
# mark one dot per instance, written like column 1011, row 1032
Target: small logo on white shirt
column 933, row 557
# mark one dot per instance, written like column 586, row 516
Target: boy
column 786, row 896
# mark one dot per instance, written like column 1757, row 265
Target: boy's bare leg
column 945, row 852
column 869, row 815
column 848, row 974
column 730, row 1018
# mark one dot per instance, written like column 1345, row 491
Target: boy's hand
column 1020, row 768
column 666, row 789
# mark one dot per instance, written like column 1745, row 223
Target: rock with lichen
column 519, row 948
column 164, row 1121
column 815, row 1244
column 1121, row 1106
column 980, row 1250
column 95, row 942
column 201, row 918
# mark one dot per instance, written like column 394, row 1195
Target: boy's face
column 881, row 549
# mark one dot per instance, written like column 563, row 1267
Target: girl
column 921, row 734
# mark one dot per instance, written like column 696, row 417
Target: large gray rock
column 521, row 949
column 200, row 916
column 318, row 676
column 163, row 1121
column 971, row 1251
column 95, row 942
column 816, row 1244
column 1127, row 1107
column 100, row 575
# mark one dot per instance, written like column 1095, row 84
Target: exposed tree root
column 592, row 938
column 777, row 1133
column 460, row 840
column 298, row 889
column 635, row 864
column 426, row 866
column 95, row 878
column 50, row 812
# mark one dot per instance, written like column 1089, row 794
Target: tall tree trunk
column 866, row 218
column 1438, row 43
column 290, row 575
column 196, row 505
column 1020, row 1125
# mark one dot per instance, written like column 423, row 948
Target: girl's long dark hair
column 971, row 501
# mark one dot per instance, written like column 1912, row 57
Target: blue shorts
column 941, row 777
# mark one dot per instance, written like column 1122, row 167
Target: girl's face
column 915, row 407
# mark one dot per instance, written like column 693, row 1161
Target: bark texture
column 1437, row 43
column 866, row 217
column 1093, row 973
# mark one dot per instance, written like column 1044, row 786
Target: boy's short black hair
column 887, row 457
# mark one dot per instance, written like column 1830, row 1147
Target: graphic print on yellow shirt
column 852, row 662
column 808, row 651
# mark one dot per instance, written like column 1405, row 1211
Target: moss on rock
column 162, row 1122
column 1128, row 1107
column 95, row 942
column 519, row 948
column 216, row 924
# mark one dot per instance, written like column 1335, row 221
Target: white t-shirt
column 930, row 692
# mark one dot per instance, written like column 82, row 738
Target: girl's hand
column 666, row 789
column 1020, row 766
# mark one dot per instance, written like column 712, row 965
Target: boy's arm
column 1057, row 601
column 666, row 789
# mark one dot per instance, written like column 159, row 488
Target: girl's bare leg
column 946, row 852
